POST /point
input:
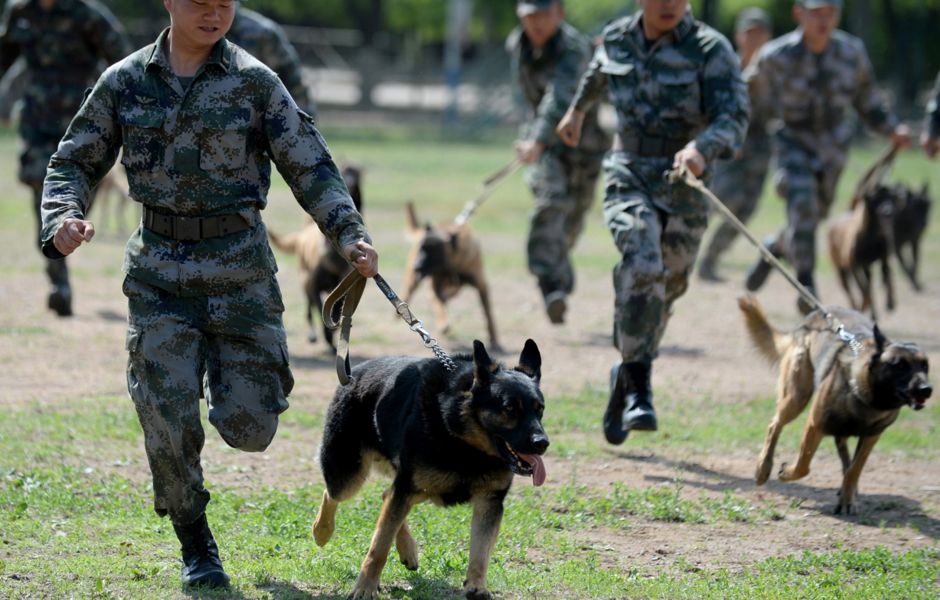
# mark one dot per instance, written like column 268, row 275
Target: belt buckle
column 186, row 229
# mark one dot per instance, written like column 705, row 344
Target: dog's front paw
column 364, row 590
column 323, row 531
column 846, row 508
column 762, row 474
column 788, row 473
column 408, row 553
column 475, row 593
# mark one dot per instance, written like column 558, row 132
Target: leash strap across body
column 489, row 185
column 349, row 292
column 683, row 175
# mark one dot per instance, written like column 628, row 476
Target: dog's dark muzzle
column 919, row 396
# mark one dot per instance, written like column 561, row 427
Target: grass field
column 670, row 515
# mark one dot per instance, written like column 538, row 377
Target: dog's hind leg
column 794, row 390
column 850, row 480
column 487, row 516
column 842, row 446
column 407, row 547
column 395, row 510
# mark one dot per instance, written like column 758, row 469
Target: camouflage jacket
column 548, row 80
column 265, row 40
column 201, row 151
column 62, row 48
column 686, row 86
column 813, row 92
column 933, row 111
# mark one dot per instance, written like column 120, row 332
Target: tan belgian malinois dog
column 851, row 395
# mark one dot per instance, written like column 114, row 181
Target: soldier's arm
column 868, row 102
column 760, row 90
column 84, row 157
column 285, row 61
column 725, row 101
column 107, row 36
column 303, row 159
column 9, row 49
column 593, row 85
column 558, row 96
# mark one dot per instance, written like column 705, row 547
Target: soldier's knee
column 245, row 429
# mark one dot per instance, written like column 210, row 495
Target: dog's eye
column 509, row 407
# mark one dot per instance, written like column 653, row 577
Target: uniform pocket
column 224, row 140
column 143, row 146
column 680, row 93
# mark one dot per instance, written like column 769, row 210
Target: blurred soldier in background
column 680, row 101
column 930, row 138
column 739, row 182
column 62, row 43
column 813, row 75
column 548, row 56
column 265, row 40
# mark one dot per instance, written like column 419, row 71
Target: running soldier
column 739, row 182
column 59, row 68
column 548, row 57
column 814, row 74
column 680, row 102
column 199, row 121
column 930, row 138
column 265, row 40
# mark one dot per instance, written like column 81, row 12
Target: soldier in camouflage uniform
column 62, row 43
column 814, row 74
column 930, row 138
column 548, row 56
column 739, row 182
column 680, row 101
column 265, row 40
column 199, row 121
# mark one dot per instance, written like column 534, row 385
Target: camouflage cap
column 752, row 18
column 811, row 4
column 527, row 7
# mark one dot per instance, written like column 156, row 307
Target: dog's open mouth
column 918, row 399
column 526, row 464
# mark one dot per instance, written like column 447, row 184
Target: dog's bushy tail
column 412, row 215
column 284, row 243
column 770, row 342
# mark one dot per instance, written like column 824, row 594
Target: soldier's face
column 661, row 16
column 542, row 25
column 750, row 40
column 201, row 23
column 818, row 23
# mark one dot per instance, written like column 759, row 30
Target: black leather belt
column 648, row 145
column 193, row 229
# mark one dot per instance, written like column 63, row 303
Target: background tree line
column 901, row 34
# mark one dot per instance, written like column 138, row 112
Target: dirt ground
column 52, row 363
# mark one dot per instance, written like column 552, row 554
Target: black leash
column 683, row 175
column 349, row 292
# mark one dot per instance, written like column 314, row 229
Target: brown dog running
column 852, row 396
column 450, row 255
column 322, row 267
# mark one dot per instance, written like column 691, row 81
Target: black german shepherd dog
column 450, row 438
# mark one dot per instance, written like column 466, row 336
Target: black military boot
column 639, row 414
column 613, row 416
column 60, row 296
column 201, row 563
column 757, row 274
column 802, row 303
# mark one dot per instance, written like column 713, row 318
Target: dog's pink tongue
column 538, row 468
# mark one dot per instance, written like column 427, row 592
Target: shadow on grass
column 286, row 591
column 874, row 510
column 418, row 588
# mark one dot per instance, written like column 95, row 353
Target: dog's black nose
column 540, row 442
column 925, row 391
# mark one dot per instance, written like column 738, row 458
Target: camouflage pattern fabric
column 563, row 180
column 686, row 86
column 813, row 94
column 202, row 314
column 933, row 111
column 63, row 48
column 265, row 40
column 231, row 346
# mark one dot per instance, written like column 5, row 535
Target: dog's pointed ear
column 880, row 340
column 482, row 363
column 530, row 361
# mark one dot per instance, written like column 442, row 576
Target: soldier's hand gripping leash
column 349, row 292
column 683, row 175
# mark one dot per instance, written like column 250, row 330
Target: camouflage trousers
column 738, row 183
column 56, row 268
column 563, row 184
column 809, row 191
column 657, row 227
column 231, row 349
